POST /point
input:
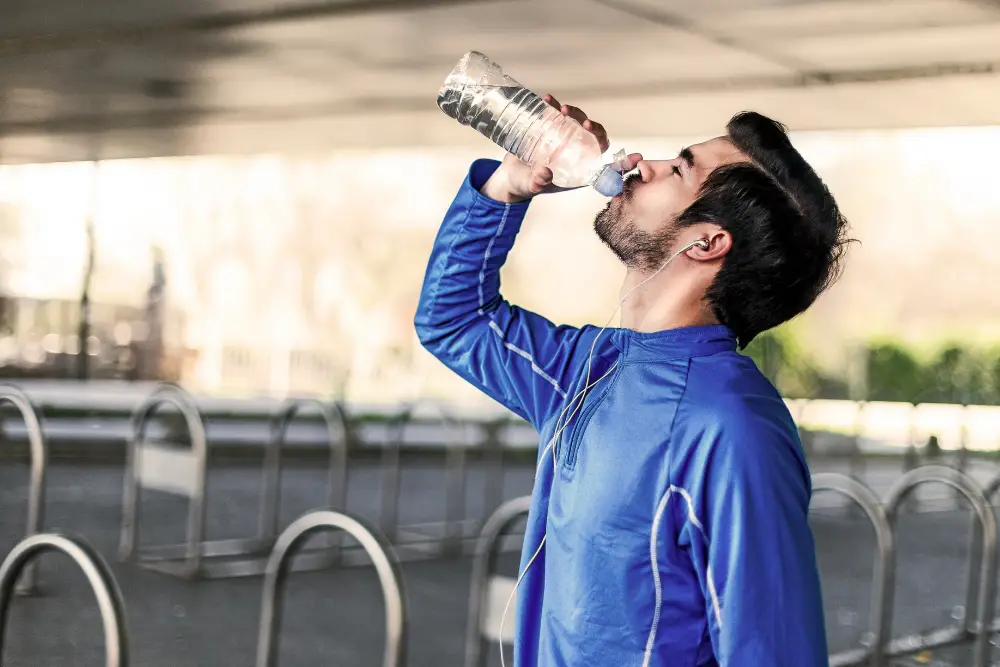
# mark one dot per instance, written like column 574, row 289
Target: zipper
column 576, row 438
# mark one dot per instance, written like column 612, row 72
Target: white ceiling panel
column 946, row 44
column 847, row 17
column 369, row 77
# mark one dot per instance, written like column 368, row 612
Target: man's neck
column 668, row 301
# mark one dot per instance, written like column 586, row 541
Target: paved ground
column 335, row 617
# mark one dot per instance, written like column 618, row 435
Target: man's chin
column 604, row 227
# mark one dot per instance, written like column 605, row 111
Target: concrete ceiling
column 137, row 78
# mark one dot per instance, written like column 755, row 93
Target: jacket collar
column 681, row 343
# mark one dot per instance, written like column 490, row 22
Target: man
column 668, row 523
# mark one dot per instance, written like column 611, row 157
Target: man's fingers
column 598, row 131
column 576, row 113
column 595, row 127
column 540, row 179
column 632, row 161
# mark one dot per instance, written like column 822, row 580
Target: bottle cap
column 619, row 162
column 609, row 182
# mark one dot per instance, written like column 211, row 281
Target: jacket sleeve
column 516, row 357
column 756, row 560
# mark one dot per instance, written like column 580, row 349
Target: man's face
column 639, row 224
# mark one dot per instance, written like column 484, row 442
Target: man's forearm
column 498, row 188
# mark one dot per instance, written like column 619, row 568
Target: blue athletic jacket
column 675, row 509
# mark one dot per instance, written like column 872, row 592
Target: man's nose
column 647, row 171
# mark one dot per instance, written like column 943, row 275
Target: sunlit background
column 299, row 274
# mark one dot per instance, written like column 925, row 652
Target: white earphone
column 561, row 426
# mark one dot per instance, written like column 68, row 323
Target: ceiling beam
column 180, row 118
column 682, row 24
column 16, row 45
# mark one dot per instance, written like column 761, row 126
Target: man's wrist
column 492, row 182
column 497, row 188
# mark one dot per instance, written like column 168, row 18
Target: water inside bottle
column 511, row 116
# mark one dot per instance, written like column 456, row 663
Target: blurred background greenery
column 885, row 370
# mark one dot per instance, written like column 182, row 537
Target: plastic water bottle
column 478, row 93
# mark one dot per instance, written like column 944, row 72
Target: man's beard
column 637, row 249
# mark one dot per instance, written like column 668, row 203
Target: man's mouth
column 631, row 181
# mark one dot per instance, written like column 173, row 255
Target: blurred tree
column 956, row 375
column 894, row 374
column 782, row 360
column 769, row 352
column 828, row 386
column 993, row 373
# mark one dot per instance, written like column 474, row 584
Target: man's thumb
column 540, row 179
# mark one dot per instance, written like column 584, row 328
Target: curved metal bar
column 455, row 471
column 883, row 576
column 383, row 558
column 992, row 488
column 494, row 462
column 102, row 582
column 976, row 546
column 389, row 502
column 336, row 427
column 455, row 466
column 39, row 466
column 165, row 394
column 176, row 390
column 987, row 559
column 856, row 461
column 482, row 568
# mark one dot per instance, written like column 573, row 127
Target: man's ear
column 717, row 243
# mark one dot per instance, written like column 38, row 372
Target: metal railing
column 883, row 570
column 167, row 468
column 335, row 424
column 488, row 588
column 171, row 470
column 897, row 425
column 39, row 467
column 381, row 555
column 981, row 585
column 438, row 538
column 102, row 582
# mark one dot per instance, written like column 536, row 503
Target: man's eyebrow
column 687, row 156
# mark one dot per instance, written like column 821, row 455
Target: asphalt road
column 336, row 617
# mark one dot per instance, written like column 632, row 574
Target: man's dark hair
column 789, row 237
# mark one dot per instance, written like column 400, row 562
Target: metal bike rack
column 335, row 423
column 490, row 590
column 428, row 539
column 884, row 569
column 39, row 463
column 981, row 585
column 183, row 472
column 102, row 582
column 382, row 557
column 961, row 464
column 856, row 462
column 494, row 465
column 170, row 470
column 976, row 550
